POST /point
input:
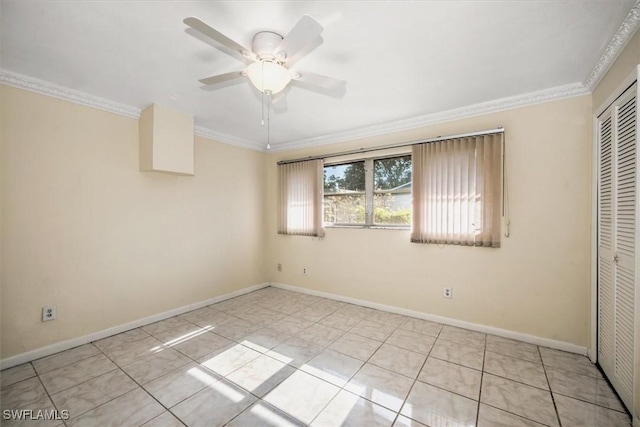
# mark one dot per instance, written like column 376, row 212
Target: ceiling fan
column 271, row 57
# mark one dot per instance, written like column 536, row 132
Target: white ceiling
column 403, row 61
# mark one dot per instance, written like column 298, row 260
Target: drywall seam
column 75, row 342
column 532, row 339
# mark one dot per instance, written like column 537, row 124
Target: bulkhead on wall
column 165, row 141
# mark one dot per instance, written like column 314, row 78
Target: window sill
column 372, row 227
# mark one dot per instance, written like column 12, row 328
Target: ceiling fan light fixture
column 268, row 76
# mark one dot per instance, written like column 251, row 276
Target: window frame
column 369, row 193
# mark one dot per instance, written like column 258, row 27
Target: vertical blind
column 300, row 203
column 456, row 191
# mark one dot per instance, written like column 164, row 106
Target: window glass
column 344, row 194
column 392, row 173
column 392, row 195
column 383, row 201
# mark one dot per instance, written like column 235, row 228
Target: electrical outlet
column 447, row 292
column 279, row 267
column 304, row 271
column 48, row 313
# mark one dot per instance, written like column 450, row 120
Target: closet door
column 606, row 267
column 617, row 242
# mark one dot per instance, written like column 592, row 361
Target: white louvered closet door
column 617, row 241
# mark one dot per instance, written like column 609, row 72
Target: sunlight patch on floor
column 186, row 337
column 270, row 417
column 202, row 376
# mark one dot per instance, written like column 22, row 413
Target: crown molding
column 226, row 139
column 556, row 93
column 46, row 88
column 617, row 44
column 622, row 36
column 43, row 87
column 627, row 29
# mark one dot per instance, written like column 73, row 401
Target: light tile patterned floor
column 280, row 358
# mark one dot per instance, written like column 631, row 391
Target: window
column 371, row 192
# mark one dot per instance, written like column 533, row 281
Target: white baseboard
column 545, row 342
column 75, row 342
column 591, row 354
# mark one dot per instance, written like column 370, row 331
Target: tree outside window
column 372, row 192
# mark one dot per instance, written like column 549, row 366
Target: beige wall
column 537, row 283
column 85, row 230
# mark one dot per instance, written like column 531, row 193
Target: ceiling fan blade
column 319, row 80
column 208, row 31
column 221, row 78
column 303, row 33
column 279, row 100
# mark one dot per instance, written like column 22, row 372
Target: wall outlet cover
column 49, row 312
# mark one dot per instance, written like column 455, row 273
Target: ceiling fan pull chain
column 262, row 95
column 268, row 121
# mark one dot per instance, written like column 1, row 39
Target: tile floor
column 280, row 358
